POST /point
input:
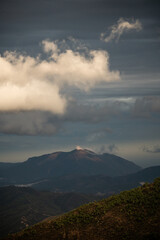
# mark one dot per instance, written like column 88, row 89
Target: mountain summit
column 76, row 162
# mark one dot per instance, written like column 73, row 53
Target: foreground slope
column 131, row 215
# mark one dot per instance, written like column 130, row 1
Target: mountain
column 131, row 215
column 99, row 184
column 21, row 207
column 76, row 162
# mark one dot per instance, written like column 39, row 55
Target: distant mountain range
column 58, row 164
column 80, row 170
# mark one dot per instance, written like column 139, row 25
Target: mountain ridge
column 80, row 162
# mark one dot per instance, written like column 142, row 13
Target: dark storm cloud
column 28, row 123
column 93, row 113
column 146, row 106
column 152, row 149
column 43, row 123
column 28, row 22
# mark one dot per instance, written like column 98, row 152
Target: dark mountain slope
column 79, row 162
column 21, row 207
column 131, row 215
column 99, row 183
column 147, row 174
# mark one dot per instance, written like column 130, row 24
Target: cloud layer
column 146, row 106
column 47, row 123
column 28, row 83
column 152, row 149
column 121, row 27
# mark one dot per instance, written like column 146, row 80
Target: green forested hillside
column 131, row 215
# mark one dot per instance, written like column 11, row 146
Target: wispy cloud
column 98, row 134
column 111, row 148
column 118, row 29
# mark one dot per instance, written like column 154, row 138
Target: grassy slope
column 130, row 215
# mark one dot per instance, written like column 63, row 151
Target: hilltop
column 131, row 215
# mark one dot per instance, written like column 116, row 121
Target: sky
column 80, row 73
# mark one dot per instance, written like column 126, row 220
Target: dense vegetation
column 131, row 215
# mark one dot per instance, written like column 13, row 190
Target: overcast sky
column 80, row 72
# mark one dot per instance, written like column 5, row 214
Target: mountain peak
column 79, row 148
column 78, row 161
column 83, row 150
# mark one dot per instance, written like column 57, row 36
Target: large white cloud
column 34, row 95
column 28, row 83
column 118, row 29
